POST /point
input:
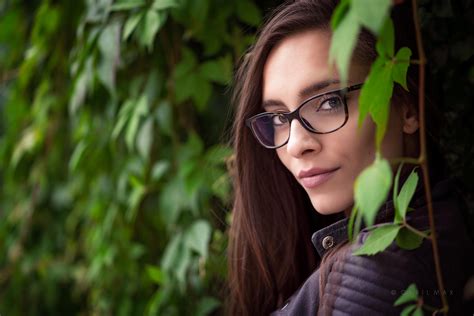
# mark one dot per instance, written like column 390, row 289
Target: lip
column 314, row 177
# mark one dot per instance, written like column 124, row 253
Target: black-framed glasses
column 321, row 114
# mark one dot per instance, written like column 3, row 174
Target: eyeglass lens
column 321, row 115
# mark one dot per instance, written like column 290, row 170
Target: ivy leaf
column 109, row 45
column 77, row 155
column 201, row 93
column 248, row 12
column 164, row 117
column 217, row 154
column 172, row 201
column 131, row 25
column 176, row 258
column 164, row 4
column 140, row 110
column 418, row 312
column 159, row 169
column 371, row 13
column 407, row 310
column 385, row 45
column 395, row 193
column 198, row 237
column 375, row 96
column 145, row 138
column 150, row 26
column 127, row 5
column 342, row 44
column 371, row 188
column 406, row 194
column 339, row 13
column 206, row 305
column 407, row 239
column 219, row 71
column 402, row 62
column 379, row 239
column 155, row 274
column 124, row 115
column 410, row 294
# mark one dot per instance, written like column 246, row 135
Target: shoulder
column 305, row 300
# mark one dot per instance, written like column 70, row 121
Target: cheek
column 356, row 145
column 283, row 156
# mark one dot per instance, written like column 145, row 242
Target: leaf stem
column 424, row 164
column 416, row 231
column 408, row 160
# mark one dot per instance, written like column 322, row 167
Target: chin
column 325, row 210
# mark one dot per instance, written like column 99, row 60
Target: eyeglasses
column 321, row 114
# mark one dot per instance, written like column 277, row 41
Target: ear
column 409, row 119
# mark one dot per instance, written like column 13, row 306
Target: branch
column 423, row 155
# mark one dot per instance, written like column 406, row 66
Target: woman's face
column 296, row 63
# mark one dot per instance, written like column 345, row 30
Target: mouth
column 312, row 179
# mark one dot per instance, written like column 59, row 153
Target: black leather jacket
column 369, row 285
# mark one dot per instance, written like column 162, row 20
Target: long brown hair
column 270, row 253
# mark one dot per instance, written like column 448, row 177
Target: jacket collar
column 335, row 233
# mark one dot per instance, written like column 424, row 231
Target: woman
column 294, row 177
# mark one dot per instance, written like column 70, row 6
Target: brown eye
column 279, row 119
column 333, row 103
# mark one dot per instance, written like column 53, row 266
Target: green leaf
column 127, row 5
column 164, row 4
column 400, row 69
column 375, row 96
column 410, row 294
column 164, row 117
column 145, row 138
column 386, row 41
column 371, row 13
column 131, row 25
column 201, row 93
column 379, row 239
column 418, row 311
column 77, row 155
column 159, row 169
column 140, row 110
column 219, row 71
column 343, row 42
column 81, row 84
column 198, row 237
column 124, row 116
column 406, row 239
column 218, row 154
column 172, row 201
column 31, row 139
column 395, row 193
column 406, row 194
column 339, row 13
column 176, row 258
column 155, row 274
column 109, row 45
column 248, row 12
column 153, row 21
column 206, row 306
column 352, row 230
column 186, row 65
column 171, row 252
column 407, row 310
column 371, row 188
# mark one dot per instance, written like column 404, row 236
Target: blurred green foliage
column 114, row 190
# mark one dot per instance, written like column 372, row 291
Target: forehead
column 297, row 60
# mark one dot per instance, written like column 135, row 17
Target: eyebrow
column 306, row 92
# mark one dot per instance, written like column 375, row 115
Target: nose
column 302, row 141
